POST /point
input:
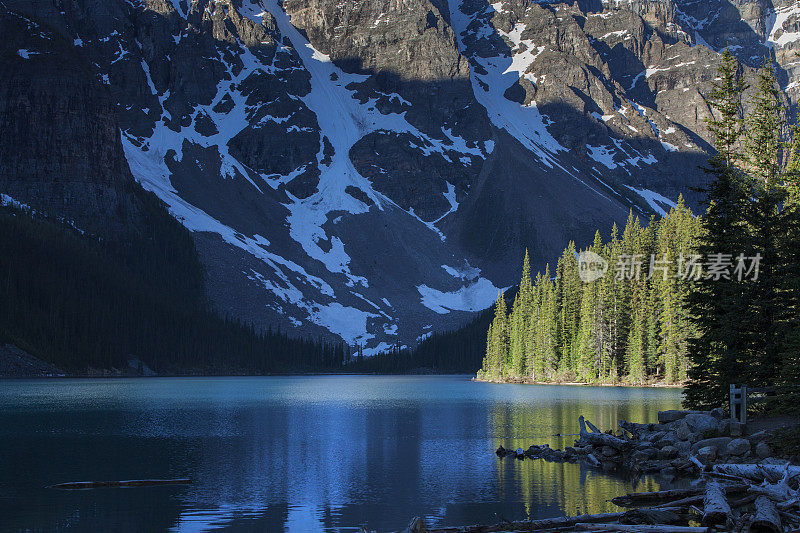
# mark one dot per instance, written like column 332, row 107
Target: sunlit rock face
column 369, row 171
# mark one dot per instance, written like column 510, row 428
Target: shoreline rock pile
column 681, row 443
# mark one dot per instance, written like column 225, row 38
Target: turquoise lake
column 301, row 454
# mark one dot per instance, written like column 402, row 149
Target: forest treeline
column 627, row 325
column 707, row 301
column 89, row 304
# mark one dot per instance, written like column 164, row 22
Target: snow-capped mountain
column 370, row 170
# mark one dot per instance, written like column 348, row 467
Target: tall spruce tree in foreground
column 764, row 155
column 716, row 304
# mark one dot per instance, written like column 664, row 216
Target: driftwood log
column 716, row 509
column 636, row 515
column 592, row 459
column 757, row 472
column 592, row 427
column 647, row 498
column 695, row 461
column 83, row 485
column 601, row 439
column 670, row 496
column 766, row 517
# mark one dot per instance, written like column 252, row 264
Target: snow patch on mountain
column 775, row 20
column 347, row 322
column 467, row 272
column 495, row 75
column 602, row 154
column 659, row 203
column 473, row 297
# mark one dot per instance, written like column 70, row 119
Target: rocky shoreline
column 681, row 443
column 737, row 482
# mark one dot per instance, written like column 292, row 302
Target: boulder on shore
column 763, row 450
column 707, row 454
column 668, row 452
column 701, row 423
column 665, row 417
column 738, row 447
column 719, row 443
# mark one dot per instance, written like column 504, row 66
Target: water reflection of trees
column 573, row 488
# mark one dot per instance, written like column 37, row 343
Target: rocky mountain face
column 369, row 170
column 60, row 147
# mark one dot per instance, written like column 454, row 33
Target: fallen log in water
column 83, row 485
column 695, row 461
column 547, row 524
column 647, row 498
column 590, row 457
column 601, row 439
column 766, row 517
column 692, row 500
column 592, row 427
column 683, row 502
column 716, row 509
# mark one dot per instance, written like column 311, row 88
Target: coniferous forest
column 705, row 300
column 629, row 325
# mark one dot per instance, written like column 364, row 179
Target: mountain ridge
column 371, row 171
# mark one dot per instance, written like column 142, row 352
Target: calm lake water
column 304, row 454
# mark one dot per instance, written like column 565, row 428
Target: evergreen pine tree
column 717, row 309
column 635, row 350
column 764, row 150
column 500, row 339
column 568, row 297
column 537, row 364
column 548, row 325
column 716, row 305
column 517, row 339
column 764, row 125
column 726, row 100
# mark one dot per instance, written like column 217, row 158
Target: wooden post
column 739, row 403
column 743, row 419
